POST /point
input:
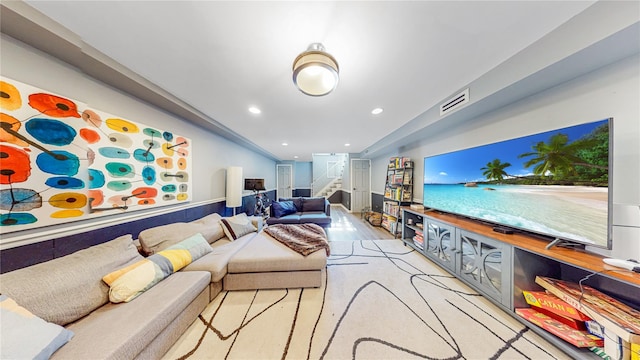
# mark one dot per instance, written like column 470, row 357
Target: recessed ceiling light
column 376, row 111
column 284, row 144
column 347, row 144
column 254, row 110
column 295, row 156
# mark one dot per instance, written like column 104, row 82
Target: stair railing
column 323, row 181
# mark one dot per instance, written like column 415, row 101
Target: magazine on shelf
column 554, row 304
column 579, row 338
column 619, row 318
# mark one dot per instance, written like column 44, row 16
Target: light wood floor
column 346, row 226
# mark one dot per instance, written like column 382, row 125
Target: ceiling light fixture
column 284, row 144
column 315, row 72
column 376, row 111
column 254, row 110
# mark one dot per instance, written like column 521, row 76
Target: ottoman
column 265, row 263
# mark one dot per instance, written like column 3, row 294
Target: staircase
column 331, row 188
column 327, row 186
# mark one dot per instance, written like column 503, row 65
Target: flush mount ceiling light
column 315, row 72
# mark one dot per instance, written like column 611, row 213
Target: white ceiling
column 221, row 57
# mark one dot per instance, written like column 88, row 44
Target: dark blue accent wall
column 341, row 197
column 302, row 192
column 377, row 202
column 346, row 199
column 31, row 254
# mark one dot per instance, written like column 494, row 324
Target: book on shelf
column 407, row 178
column 579, row 338
column 572, row 323
column 615, row 347
column 617, row 317
column 594, row 328
column 387, row 193
column 600, row 352
column 391, row 208
column 554, row 304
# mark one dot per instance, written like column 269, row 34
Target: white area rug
column 380, row 300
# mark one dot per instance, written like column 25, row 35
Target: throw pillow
column 297, row 201
column 237, row 226
column 26, row 336
column 283, row 208
column 130, row 282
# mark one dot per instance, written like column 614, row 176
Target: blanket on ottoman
column 302, row 238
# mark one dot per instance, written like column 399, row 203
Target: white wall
column 612, row 91
column 212, row 154
column 303, row 175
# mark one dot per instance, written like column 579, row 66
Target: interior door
column 284, row 181
column 360, row 180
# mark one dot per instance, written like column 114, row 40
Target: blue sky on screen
column 464, row 165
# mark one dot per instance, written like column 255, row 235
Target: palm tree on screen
column 557, row 157
column 494, row 170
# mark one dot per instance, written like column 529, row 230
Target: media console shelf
column 500, row 266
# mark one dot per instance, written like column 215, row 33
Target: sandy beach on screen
column 594, row 197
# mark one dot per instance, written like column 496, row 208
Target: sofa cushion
column 265, row 254
column 317, row 217
column 65, row 289
column 130, row 282
column 161, row 237
column 237, row 226
column 313, row 204
column 212, row 231
column 216, row 261
column 287, row 219
column 282, row 208
column 26, row 336
column 297, row 202
column 122, row 331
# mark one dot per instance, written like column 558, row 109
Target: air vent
column 455, row 102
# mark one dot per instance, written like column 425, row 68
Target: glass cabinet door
column 485, row 263
column 440, row 243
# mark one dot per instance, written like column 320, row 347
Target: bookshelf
column 398, row 192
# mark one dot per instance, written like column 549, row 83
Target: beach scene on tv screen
column 553, row 183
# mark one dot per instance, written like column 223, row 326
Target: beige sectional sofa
column 253, row 261
column 69, row 291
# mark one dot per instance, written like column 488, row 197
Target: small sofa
column 69, row 291
column 300, row 210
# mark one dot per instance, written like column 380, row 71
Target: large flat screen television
column 555, row 184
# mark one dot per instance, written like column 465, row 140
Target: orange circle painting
column 10, row 98
column 54, row 106
column 16, row 165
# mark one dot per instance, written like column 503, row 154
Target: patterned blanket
column 302, row 238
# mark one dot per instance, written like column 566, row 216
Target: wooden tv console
column 500, row 266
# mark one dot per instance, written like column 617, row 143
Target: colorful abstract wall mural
column 62, row 161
